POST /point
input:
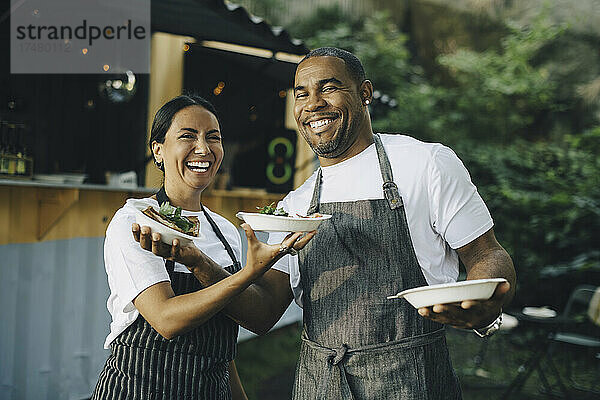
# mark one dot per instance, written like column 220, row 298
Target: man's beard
column 335, row 147
column 327, row 149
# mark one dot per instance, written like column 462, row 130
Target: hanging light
column 120, row 89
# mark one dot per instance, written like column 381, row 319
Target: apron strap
column 333, row 358
column 314, row 202
column 390, row 190
column 337, row 357
column 221, row 237
column 161, row 197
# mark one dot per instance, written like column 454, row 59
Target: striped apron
column 195, row 365
column 356, row 344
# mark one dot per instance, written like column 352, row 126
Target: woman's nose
column 201, row 147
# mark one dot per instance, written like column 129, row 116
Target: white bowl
column 276, row 223
column 455, row 292
column 166, row 234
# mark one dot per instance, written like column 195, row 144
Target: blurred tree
column 545, row 201
column 502, row 94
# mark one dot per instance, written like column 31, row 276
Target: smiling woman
column 190, row 152
column 172, row 336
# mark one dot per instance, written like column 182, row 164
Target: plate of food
column 168, row 221
column 272, row 219
column 455, row 292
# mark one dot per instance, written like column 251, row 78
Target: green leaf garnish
column 272, row 209
column 173, row 214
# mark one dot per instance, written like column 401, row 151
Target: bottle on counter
column 21, row 167
column 14, row 158
column 12, row 137
column 4, row 152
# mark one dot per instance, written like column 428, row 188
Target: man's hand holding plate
column 469, row 314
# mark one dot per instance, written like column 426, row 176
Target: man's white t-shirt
column 442, row 206
column 131, row 269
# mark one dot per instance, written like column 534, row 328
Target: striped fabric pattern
column 144, row 365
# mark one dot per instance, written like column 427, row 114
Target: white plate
column 72, row 178
column 49, row 178
column 166, row 234
column 539, row 312
column 75, row 178
column 426, row 296
column 276, row 223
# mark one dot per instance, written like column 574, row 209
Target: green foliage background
column 514, row 116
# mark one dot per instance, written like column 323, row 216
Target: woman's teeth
column 198, row 166
column 319, row 123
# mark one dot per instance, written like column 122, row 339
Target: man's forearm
column 486, row 258
column 494, row 263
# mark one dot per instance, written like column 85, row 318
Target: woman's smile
column 198, row 166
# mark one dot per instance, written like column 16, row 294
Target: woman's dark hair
column 164, row 116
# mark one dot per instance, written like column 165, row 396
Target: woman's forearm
column 260, row 305
column 174, row 315
column 257, row 309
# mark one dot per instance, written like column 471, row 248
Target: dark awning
column 219, row 21
column 269, row 67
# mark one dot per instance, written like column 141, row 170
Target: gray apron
column 356, row 344
column 143, row 365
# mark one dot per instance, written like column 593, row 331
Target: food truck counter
column 34, row 211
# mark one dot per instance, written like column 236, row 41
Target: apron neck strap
column 161, row 196
column 390, row 190
column 221, row 237
column 314, row 202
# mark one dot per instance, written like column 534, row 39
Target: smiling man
column 332, row 121
column 403, row 212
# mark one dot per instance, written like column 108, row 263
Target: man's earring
column 159, row 165
column 367, row 102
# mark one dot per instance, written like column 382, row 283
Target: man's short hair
column 353, row 64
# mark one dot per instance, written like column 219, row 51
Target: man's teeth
column 198, row 165
column 319, row 123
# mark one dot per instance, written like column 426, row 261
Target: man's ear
column 366, row 92
column 157, row 151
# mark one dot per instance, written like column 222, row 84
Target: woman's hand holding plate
column 187, row 255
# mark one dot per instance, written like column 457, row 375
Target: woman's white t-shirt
column 443, row 208
column 131, row 269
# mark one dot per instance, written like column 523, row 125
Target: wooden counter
column 36, row 212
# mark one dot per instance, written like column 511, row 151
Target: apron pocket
column 392, row 374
